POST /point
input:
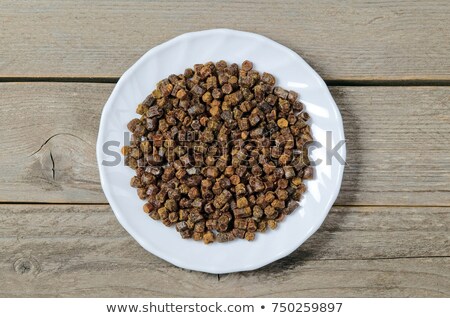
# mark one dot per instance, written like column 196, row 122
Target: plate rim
column 236, row 268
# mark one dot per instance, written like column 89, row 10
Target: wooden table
column 388, row 68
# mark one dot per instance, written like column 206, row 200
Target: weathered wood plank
column 389, row 40
column 397, row 141
column 348, row 233
column 64, row 250
column 107, row 278
column 396, row 145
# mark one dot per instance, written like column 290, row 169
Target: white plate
column 172, row 57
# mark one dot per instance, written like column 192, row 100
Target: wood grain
column 345, row 40
column 81, row 250
column 397, row 141
column 388, row 235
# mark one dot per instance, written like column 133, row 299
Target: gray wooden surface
column 387, row 64
column 340, row 39
column 81, row 250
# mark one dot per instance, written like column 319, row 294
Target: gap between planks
column 329, row 82
column 334, row 205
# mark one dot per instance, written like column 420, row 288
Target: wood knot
column 58, row 160
column 27, row 266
